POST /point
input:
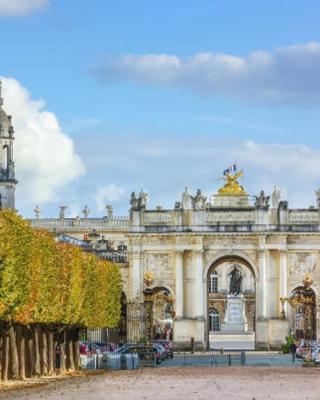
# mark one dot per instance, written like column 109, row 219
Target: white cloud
column 289, row 74
column 107, row 195
column 21, row 7
column 199, row 161
column 45, row 157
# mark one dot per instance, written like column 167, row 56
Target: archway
column 227, row 300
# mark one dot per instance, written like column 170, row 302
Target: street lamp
column 148, row 301
column 304, row 297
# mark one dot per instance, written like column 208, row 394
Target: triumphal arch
column 224, row 268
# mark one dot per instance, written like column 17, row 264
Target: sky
column 109, row 97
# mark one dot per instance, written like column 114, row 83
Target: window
column 213, row 282
column 214, row 319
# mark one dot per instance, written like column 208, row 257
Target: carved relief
column 157, row 218
column 159, row 264
column 302, row 263
column 296, row 217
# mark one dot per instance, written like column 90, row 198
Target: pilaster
column 179, row 284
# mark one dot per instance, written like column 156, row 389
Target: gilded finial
column 307, row 280
column 148, row 278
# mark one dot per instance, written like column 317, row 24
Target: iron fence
column 202, row 358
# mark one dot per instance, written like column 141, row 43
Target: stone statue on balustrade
column 199, row 201
column 276, row 197
column 186, row 200
column 143, row 199
column 139, row 203
column 235, row 281
column 134, row 201
column 262, row 201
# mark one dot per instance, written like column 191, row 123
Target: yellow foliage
column 42, row 281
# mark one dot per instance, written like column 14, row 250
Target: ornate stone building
column 193, row 249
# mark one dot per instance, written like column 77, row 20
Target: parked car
column 167, row 350
column 89, row 348
column 104, row 346
column 142, row 351
column 316, row 354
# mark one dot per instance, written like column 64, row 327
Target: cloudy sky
column 112, row 96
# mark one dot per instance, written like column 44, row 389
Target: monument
column 235, row 320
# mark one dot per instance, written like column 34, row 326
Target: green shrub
column 286, row 346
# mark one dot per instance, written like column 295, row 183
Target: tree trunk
column 50, row 353
column 14, row 361
column 44, row 352
column 70, row 357
column 76, row 350
column 62, row 343
column 36, row 350
column 55, row 345
column 30, row 354
column 5, row 354
column 21, row 345
column 1, row 344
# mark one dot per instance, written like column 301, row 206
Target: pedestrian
column 293, row 350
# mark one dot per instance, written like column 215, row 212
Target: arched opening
column 162, row 314
column 213, row 282
column 214, row 319
column 231, row 303
column 5, row 157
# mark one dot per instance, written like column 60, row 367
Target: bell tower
column 7, row 172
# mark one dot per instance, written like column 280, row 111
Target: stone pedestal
column 235, row 320
column 185, row 329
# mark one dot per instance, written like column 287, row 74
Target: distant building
column 7, row 172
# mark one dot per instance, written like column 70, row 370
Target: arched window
column 213, row 282
column 214, row 319
column 5, row 157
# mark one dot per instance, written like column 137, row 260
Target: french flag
column 233, row 168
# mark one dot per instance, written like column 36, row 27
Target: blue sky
column 164, row 123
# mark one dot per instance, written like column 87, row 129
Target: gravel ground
column 225, row 383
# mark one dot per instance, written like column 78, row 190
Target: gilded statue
column 232, row 187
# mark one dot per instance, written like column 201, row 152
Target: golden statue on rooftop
column 232, row 187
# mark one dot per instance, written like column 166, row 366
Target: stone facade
column 277, row 246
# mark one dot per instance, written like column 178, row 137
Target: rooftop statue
column 232, row 187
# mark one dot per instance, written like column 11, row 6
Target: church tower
column 7, row 173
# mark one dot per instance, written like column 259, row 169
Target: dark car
column 142, row 351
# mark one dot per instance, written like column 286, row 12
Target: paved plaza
column 249, row 382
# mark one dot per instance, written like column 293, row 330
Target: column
column 136, row 275
column 283, row 279
column 179, row 284
column 262, row 285
column 199, row 284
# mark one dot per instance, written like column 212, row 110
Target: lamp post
column 148, row 294
column 304, row 297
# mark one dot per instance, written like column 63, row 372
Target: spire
column 1, row 99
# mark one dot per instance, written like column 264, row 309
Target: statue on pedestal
column 235, row 281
